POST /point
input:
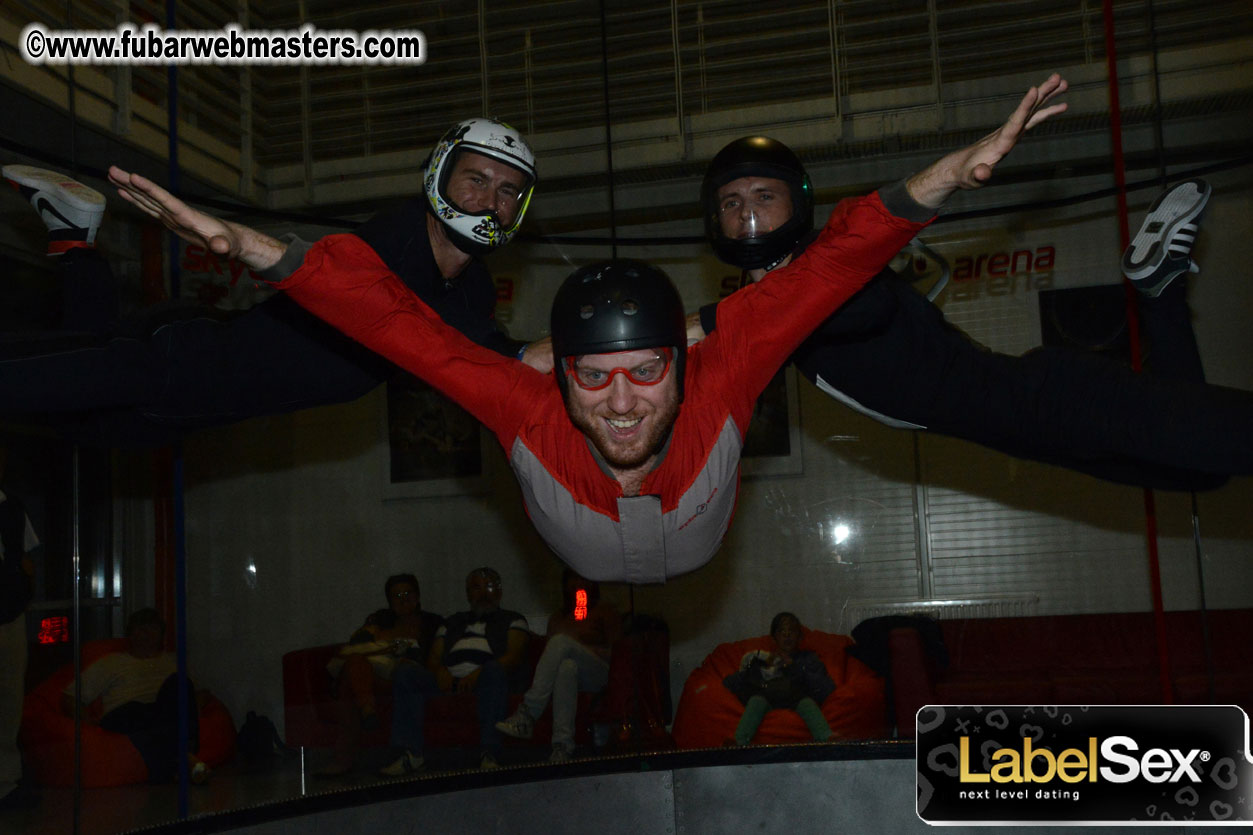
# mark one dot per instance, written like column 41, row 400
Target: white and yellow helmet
column 477, row 232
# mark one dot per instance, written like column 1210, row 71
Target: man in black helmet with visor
column 890, row 354
column 629, row 463
column 758, row 203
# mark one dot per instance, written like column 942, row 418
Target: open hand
column 189, row 224
column 695, row 330
column 983, row 156
column 539, row 355
column 972, row 166
column 221, row 237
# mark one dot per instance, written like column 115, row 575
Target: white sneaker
column 561, row 753
column 71, row 211
column 488, row 762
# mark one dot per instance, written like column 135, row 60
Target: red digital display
column 54, row 630
column 580, row 605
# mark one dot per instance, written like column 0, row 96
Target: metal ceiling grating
column 540, row 66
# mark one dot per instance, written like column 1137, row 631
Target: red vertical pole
column 1133, row 331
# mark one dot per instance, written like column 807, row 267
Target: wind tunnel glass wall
column 1034, row 579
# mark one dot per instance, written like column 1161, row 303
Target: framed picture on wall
column 772, row 445
column 434, row 447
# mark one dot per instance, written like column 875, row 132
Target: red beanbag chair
column 708, row 712
column 47, row 735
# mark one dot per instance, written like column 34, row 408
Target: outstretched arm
column 971, row 167
column 233, row 240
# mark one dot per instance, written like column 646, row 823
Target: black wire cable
column 604, row 64
column 235, row 211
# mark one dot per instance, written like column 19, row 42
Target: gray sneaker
column 1162, row 249
column 518, row 726
column 406, row 763
column 561, row 753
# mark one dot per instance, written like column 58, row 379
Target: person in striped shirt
column 477, row 651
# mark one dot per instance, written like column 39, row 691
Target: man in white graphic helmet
column 163, row 378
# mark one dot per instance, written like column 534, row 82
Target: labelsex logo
column 1040, row 765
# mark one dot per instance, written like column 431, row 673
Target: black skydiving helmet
column 613, row 306
column 758, row 156
column 477, row 233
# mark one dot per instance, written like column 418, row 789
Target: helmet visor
column 752, row 207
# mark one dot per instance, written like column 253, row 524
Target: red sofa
column 708, row 712
column 108, row 759
column 1073, row 659
column 309, row 707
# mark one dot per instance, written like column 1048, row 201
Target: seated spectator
column 709, row 712
column 785, row 679
column 138, row 690
column 474, row 652
column 388, row 637
column 575, row 660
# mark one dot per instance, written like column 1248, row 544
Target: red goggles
column 648, row 373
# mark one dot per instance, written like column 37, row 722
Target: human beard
column 635, row 452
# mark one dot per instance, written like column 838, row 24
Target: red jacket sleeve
column 761, row 325
column 344, row 282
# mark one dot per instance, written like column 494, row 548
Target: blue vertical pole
column 76, row 570
column 180, row 545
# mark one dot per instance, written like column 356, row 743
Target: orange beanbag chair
column 708, row 712
column 109, row 759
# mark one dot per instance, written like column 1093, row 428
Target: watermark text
column 150, row 44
